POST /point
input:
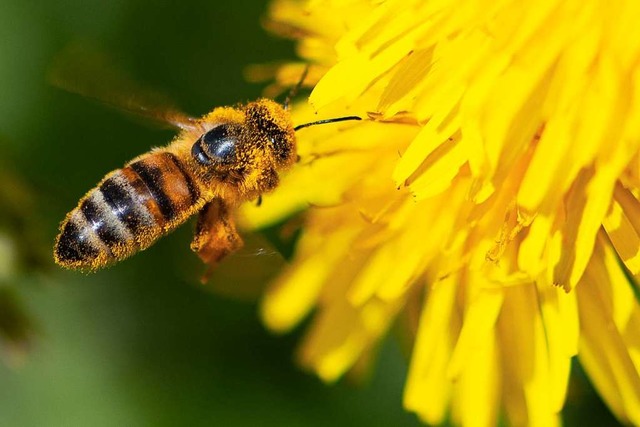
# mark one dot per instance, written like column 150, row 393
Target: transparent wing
column 88, row 72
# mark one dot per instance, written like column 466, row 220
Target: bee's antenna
column 321, row 122
column 294, row 90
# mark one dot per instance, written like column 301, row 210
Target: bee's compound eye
column 216, row 146
column 219, row 144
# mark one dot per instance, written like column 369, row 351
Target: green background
column 142, row 343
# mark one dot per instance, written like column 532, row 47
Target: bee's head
column 264, row 135
column 271, row 124
column 247, row 146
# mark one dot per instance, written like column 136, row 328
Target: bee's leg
column 216, row 235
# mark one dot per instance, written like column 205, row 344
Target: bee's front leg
column 216, row 235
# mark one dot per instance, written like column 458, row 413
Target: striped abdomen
column 128, row 211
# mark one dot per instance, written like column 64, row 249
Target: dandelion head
column 488, row 204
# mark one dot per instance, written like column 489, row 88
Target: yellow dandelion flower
column 491, row 201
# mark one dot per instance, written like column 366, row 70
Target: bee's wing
column 216, row 235
column 88, row 72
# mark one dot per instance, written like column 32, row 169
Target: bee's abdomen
column 127, row 212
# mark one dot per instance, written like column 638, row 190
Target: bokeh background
column 143, row 343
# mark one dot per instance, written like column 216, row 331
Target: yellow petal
column 606, row 351
column 559, row 314
column 623, row 227
column 477, row 327
column 478, row 387
column 428, row 389
column 528, row 392
column 286, row 302
column 331, row 351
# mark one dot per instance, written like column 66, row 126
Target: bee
column 226, row 157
